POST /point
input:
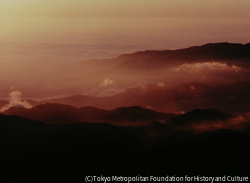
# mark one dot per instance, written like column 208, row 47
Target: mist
column 64, row 71
column 16, row 101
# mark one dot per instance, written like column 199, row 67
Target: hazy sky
column 175, row 23
column 42, row 41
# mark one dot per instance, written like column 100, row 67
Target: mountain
column 3, row 103
column 209, row 52
column 63, row 114
column 241, row 88
column 136, row 114
column 80, row 101
column 123, row 116
column 48, row 113
column 38, row 152
column 201, row 118
column 14, row 129
column 231, row 98
column 173, row 66
column 160, row 98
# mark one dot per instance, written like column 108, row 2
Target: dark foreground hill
column 200, row 118
column 32, row 151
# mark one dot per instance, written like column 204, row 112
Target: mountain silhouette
column 37, row 152
column 49, row 113
column 228, row 52
column 237, row 88
column 200, row 117
column 52, row 113
column 231, row 98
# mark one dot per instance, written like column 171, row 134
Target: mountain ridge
column 51, row 113
column 171, row 99
column 208, row 117
column 54, row 113
column 210, row 51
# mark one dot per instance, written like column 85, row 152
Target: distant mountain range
column 228, row 62
column 230, row 53
column 200, row 119
column 231, row 98
column 63, row 114
column 225, row 51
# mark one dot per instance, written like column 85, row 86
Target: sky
column 163, row 23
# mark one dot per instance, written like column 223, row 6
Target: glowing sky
column 162, row 22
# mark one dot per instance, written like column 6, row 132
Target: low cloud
column 106, row 83
column 209, row 66
column 212, row 72
column 15, row 101
column 110, row 92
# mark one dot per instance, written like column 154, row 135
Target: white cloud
column 210, row 72
column 209, row 66
column 15, row 101
column 106, row 83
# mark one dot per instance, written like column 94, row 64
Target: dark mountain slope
column 48, row 113
column 231, row 98
column 207, row 154
column 62, row 114
column 238, row 88
column 38, row 152
column 200, row 117
column 208, row 52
